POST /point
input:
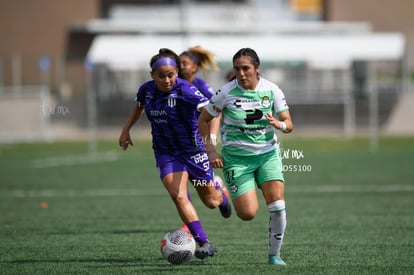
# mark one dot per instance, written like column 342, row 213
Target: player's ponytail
column 202, row 57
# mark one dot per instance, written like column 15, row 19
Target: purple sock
column 218, row 187
column 197, row 231
column 224, row 199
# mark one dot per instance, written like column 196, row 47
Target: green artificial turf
column 62, row 211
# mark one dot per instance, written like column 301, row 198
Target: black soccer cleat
column 225, row 210
column 205, row 250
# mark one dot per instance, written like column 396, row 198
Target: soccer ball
column 178, row 246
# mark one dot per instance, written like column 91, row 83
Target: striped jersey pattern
column 245, row 131
column 173, row 116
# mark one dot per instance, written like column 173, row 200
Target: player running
column 250, row 151
column 191, row 61
column 172, row 105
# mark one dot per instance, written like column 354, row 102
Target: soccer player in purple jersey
column 172, row 106
column 191, row 61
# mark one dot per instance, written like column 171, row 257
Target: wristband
column 213, row 138
column 282, row 126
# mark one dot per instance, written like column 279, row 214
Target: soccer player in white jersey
column 252, row 109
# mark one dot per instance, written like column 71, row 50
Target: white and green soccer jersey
column 245, row 130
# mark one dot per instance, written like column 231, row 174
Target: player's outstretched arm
column 125, row 138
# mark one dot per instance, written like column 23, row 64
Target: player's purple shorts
column 197, row 165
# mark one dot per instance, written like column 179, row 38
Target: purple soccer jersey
column 173, row 117
column 203, row 87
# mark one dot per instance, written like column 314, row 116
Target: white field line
column 48, row 193
column 74, row 159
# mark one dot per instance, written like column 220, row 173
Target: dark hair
column 231, row 75
column 249, row 53
column 165, row 52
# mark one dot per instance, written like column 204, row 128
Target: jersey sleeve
column 193, row 96
column 141, row 94
column 279, row 102
column 216, row 104
column 204, row 87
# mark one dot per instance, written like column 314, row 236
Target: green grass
column 353, row 213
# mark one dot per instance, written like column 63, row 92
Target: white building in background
column 321, row 66
column 316, row 62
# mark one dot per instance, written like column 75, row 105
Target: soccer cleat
column 276, row 260
column 225, row 210
column 206, row 250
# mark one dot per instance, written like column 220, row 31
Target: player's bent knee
column 246, row 215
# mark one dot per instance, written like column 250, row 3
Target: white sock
column 277, row 226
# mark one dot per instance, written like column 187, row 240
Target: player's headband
column 164, row 61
